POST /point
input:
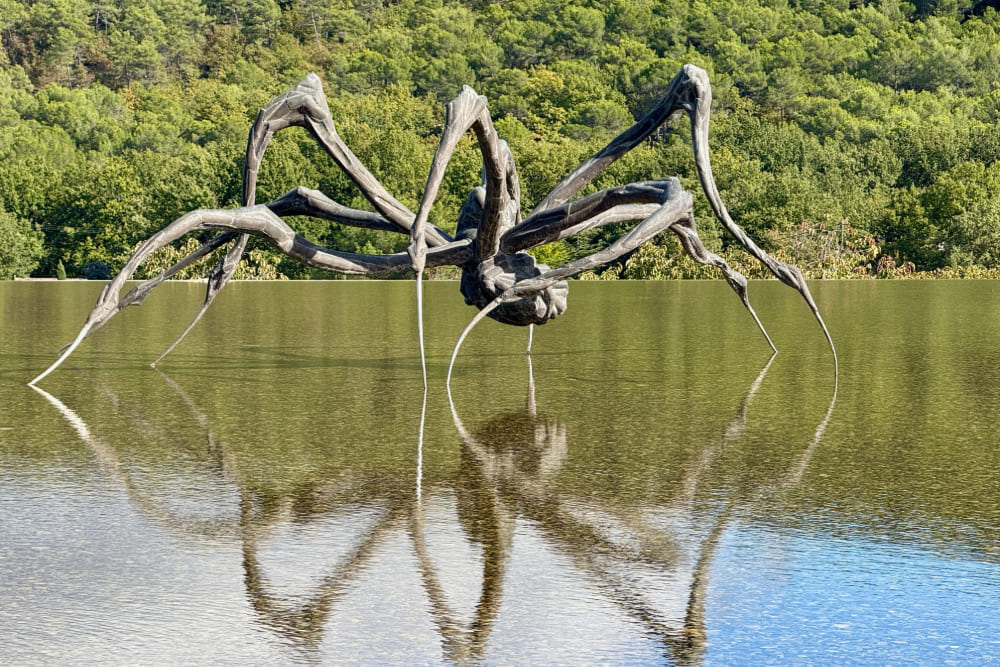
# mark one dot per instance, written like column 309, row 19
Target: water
column 648, row 488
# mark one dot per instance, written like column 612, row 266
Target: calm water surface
column 650, row 487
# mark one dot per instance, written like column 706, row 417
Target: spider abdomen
column 484, row 282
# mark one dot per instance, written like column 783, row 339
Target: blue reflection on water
column 793, row 598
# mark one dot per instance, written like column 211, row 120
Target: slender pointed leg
column 138, row 294
column 475, row 320
column 461, row 113
column 691, row 242
column 305, row 105
column 108, row 302
column 699, row 106
column 689, row 91
column 467, row 110
column 62, row 357
column 259, row 221
column 675, row 213
column 221, row 273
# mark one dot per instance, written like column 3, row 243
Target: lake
column 648, row 487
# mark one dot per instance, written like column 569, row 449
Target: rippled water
column 649, row 487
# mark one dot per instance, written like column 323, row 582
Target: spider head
column 484, row 281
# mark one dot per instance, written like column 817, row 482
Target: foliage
column 118, row 116
column 20, row 246
column 95, row 270
column 820, row 250
column 256, row 265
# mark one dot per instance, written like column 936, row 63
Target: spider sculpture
column 498, row 276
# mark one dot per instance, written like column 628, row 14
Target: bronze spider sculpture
column 498, row 276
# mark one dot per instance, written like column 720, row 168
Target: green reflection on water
column 650, row 424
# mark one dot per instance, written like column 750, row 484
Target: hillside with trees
column 856, row 138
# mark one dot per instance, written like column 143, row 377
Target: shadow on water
column 653, row 563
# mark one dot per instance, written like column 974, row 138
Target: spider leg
column 258, row 221
column 138, row 294
column 305, row 105
column 690, row 92
column 501, row 207
column 676, row 214
column 460, row 114
column 674, row 204
column 687, row 232
column 672, row 209
column 298, row 201
column 218, row 278
column 699, row 108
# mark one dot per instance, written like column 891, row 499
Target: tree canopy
column 861, row 129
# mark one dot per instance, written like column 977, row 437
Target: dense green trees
column 20, row 246
column 877, row 117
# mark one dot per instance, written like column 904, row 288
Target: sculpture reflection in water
column 257, row 515
column 653, row 563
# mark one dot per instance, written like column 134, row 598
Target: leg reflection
column 512, row 461
column 148, row 505
column 489, row 524
column 301, row 619
column 652, row 562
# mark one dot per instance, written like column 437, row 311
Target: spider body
column 484, row 282
column 498, row 276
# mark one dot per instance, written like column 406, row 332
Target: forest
column 855, row 138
